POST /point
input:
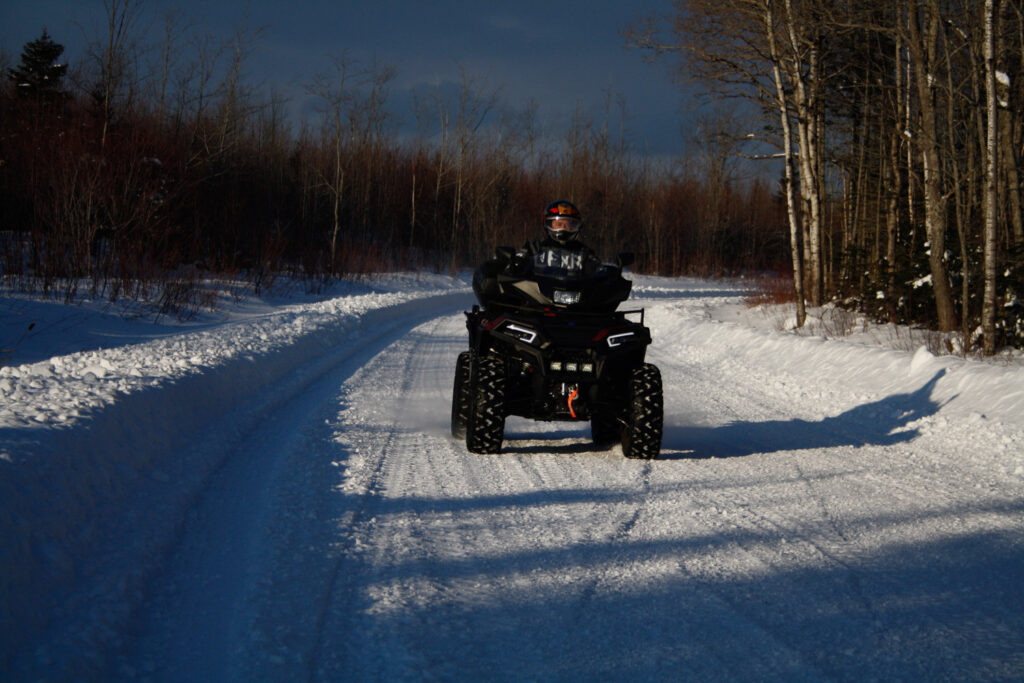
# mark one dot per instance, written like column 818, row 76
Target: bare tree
column 782, row 107
column 988, row 314
column 759, row 50
column 335, row 91
column 113, row 54
column 165, row 62
column 803, row 66
column 923, row 29
column 236, row 104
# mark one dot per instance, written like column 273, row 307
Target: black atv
column 549, row 344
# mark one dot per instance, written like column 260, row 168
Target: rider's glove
column 517, row 264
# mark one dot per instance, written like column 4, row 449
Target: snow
column 269, row 491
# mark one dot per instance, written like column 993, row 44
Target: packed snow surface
column 270, row 492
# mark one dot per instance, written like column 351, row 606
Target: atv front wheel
column 641, row 437
column 460, row 395
column 485, row 427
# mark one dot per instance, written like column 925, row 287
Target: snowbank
column 856, row 364
column 981, row 403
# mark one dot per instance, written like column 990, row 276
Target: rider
column 560, row 255
column 561, row 252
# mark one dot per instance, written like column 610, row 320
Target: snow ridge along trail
column 822, row 511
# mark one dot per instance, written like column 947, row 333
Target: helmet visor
column 564, row 223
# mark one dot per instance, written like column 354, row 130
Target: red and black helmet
column 562, row 220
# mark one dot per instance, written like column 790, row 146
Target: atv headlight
column 523, row 334
column 564, row 297
column 620, row 339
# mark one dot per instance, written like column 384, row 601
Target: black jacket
column 550, row 256
column 571, row 261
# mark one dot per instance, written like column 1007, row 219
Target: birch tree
column 333, row 90
column 761, row 50
column 988, row 314
column 787, row 146
column 803, row 66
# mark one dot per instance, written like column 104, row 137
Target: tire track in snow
column 340, row 596
column 431, row 535
column 240, row 516
column 600, row 582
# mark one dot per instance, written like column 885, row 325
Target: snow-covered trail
column 785, row 533
column 197, row 614
column 821, row 510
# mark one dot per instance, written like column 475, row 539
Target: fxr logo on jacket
column 558, row 259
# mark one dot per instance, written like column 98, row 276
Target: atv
column 548, row 344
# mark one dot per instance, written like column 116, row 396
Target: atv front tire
column 460, row 395
column 641, row 438
column 485, row 426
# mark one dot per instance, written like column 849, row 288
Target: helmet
column 562, row 220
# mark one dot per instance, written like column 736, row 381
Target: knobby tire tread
column 641, row 437
column 460, row 395
column 485, row 428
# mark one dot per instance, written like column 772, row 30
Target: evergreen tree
column 39, row 73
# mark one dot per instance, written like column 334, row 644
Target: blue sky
column 563, row 54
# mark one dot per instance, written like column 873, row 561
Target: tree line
column 900, row 129
column 143, row 172
column 897, row 128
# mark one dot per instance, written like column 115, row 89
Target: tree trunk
column 1010, row 177
column 988, row 311
column 923, row 49
column 805, row 101
column 787, row 137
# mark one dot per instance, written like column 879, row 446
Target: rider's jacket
column 553, row 258
column 570, row 263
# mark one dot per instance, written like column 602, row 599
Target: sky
column 564, row 55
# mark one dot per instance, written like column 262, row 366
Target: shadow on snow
column 879, row 423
